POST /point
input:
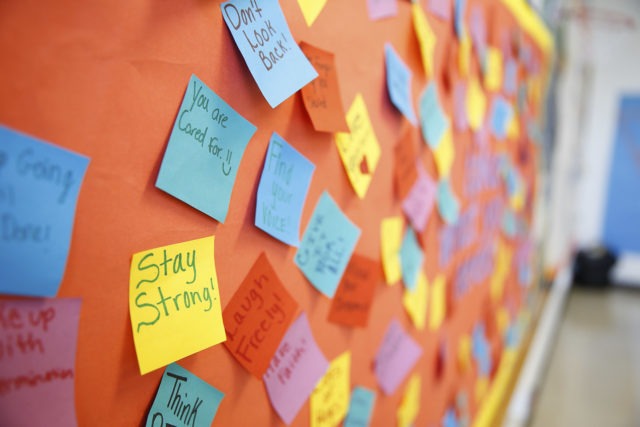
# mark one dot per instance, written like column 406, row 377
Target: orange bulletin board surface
column 106, row 79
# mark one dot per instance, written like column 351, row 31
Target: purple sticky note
column 419, row 201
column 379, row 9
column 441, row 8
column 37, row 362
column 460, row 106
column 396, row 356
column 295, row 369
column 510, row 77
column 478, row 30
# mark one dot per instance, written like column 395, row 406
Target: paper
column 39, row 186
column 459, row 106
column 390, row 245
column 321, row 97
column 379, row 9
column 399, row 83
column 257, row 317
column 448, row 204
column 493, row 72
column 426, row 38
column 283, row 188
column 360, row 407
column 459, row 10
column 438, row 309
column 464, row 55
column 418, row 204
column 481, row 351
column 327, row 245
column 295, row 369
column 359, row 150
column 478, row 31
column 353, row 298
column 444, row 154
column 410, row 405
column 396, row 357
column 433, row 121
column 206, row 145
column 500, row 271
column 311, row 9
column 501, row 115
column 183, row 399
column 441, row 8
column 476, row 104
column 174, row 302
column 262, row 35
column 449, row 419
column 404, row 170
column 330, row 398
column 411, row 258
column 415, row 302
column 510, row 77
column 37, row 361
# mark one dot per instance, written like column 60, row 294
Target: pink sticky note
column 379, row 9
column 441, row 8
column 37, row 362
column 460, row 106
column 419, row 201
column 295, row 369
column 396, row 356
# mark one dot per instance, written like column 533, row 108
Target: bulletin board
column 106, row 79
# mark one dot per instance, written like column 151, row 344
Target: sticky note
column 330, row 398
column 379, row 9
column 206, row 145
column 450, row 419
column 418, row 204
column 321, row 97
column 459, row 10
column 360, row 407
column 404, row 169
column 500, row 271
column 415, row 302
column 396, row 357
column 353, row 298
column 283, row 188
column 493, row 72
column 410, row 405
column 478, row 32
column 464, row 55
column 481, row 351
column 441, row 9
column 390, row 245
column 38, row 353
column 311, row 9
column 448, row 204
column 460, row 106
column 183, row 399
column 476, row 104
column 399, row 83
column 510, row 77
column 426, row 38
column 257, row 317
column 444, row 154
column 296, row 367
column 327, row 245
column 433, row 121
column 174, row 302
column 359, row 149
column 501, row 115
column 411, row 258
column 438, row 309
column 262, row 35
column 39, row 187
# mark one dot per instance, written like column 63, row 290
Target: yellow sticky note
column 482, row 385
column 174, row 302
column 464, row 55
column 359, row 149
column 500, row 271
column 502, row 320
column 464, row 353
column 390, row 243
column 444, row 154
column 415, row 302
column 438, row 303
column 311, row 9
column 493, row 72
column 330, row 398
column 426, row 37
column 476, row 104
column 410, row 406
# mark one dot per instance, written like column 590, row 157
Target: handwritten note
column 448, row 204
column 311, row 9
column 39, row 186
column 418, row 204
column 321, row 97
column 37, row 361
column 390, row 245
column 438, row 309
column 493, row 72
column 295, row 369
column 399, row 83
column 183, row 399
column 441, row 9
column 359, row 150
column 282, row 191
column 360, row 407
column 411, row 258
column 501, row 116
column 257, row 317
column 352, row 301
column 396, row 357
column 415, row 302
column 476, row 104
column 410, row 405
column 379, row 9
column 433, row 121
column 204, row 151
column 262, row 35
column 444, row 154
column 404, row 170
column 174, row 302
column 330, row 398
column 426, row 37
column 327, row 245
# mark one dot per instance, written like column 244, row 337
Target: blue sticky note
column 399, row 83
column 432, row 119
column 481, row 351
column 501, row 114
column 360, row 407
column 448, row 204
column 183, row 400
column 510, row 77
column 509, row 223
column 282, row 191
column 327, row 246
column 450, row 419
column 460, row 7
column 204, row 151
column 411, row 258
column 39, row 186
column 262, row 34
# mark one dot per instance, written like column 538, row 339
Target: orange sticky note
column 352, row 300
column 405, row 173
column 330, row 399
column 257, row 317
column 321, row 96
column 391, row 234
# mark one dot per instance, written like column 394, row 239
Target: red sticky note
column 404, row 171
column 257, row 317
column 321, row 97
column 352, row 301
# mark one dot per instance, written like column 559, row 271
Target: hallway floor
column 593, row 376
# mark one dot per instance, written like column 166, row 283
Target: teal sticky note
column 360, row 407
column 448, row 204
column 204, row 151
column 327, row 245
column 39, row 187
column 183, row 400
column 433, row 121
column 399, row 83
column 283, row 188
column 411, row 258
column 262, row 35
column 501, row 114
